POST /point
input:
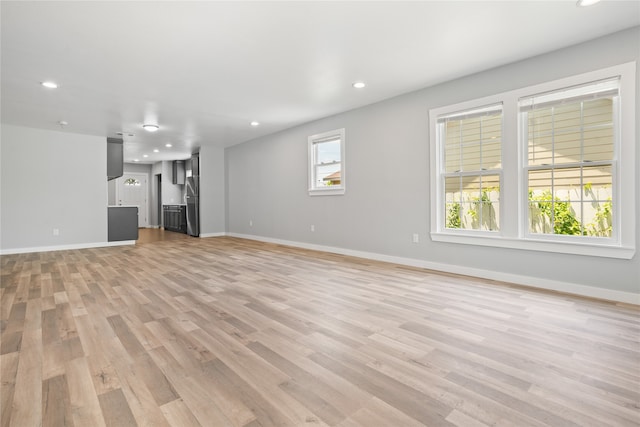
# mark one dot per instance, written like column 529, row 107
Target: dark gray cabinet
column 175, row 218
column 122, row 223
column 115, row 158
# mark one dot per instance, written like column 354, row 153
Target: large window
column 472, row 168
column 326, row 163
column 569, row 169
column 549, row 167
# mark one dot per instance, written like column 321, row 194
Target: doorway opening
column 132, row 190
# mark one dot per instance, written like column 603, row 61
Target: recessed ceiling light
column 359, row 85
column 156, row 150
column 150, row 128
column 255, row 123
column 63, row 123
column 136, row 160
column 145, row 155
column 168, row 145
column 585, row 3
column 49, row 84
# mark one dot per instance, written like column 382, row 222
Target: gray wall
column 387, row 164
column 52, row 180
column 212, row 191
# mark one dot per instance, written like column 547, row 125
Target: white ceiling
column 204, row 70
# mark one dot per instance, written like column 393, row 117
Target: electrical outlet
column 56, row 232
column 416, row 238
column 313, row 228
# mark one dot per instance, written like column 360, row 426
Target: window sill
column 607, row 251
column 326, row 192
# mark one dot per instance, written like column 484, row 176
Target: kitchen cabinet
column 122, row 223
column 178, row 172
column 175, row 218
column 115, row 158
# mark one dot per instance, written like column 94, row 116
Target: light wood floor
column 223, row 331
column 152, row 235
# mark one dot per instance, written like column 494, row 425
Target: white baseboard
column 535, row 282
column 213, row 234
column 65, row 247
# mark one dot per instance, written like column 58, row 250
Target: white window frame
column 318, row 139
column 526, row 168
column 489, row 172
column 513, row 231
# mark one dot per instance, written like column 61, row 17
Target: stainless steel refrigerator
column 193, row 196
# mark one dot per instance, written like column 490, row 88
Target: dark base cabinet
column 175, row 218
column 122, row 223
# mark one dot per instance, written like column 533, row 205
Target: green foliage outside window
column 545, row 209
column 478, row 202
column 547, row 214
column 558, row 212
column 453, row 216
column 474, row 213
column 601, row 225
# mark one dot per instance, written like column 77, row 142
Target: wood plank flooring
column 152, row 235
column 230, row 332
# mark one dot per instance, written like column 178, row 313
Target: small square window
column 326, row 163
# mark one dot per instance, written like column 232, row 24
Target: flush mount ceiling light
column 255, row 123
column 155, row 150
column 585, row 3
column 145, row 155
column 359, row 85
column 168, row 145
column 150, row 128
column 49, row 84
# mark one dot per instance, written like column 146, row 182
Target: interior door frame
column 119, row 181
column 158, row 186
